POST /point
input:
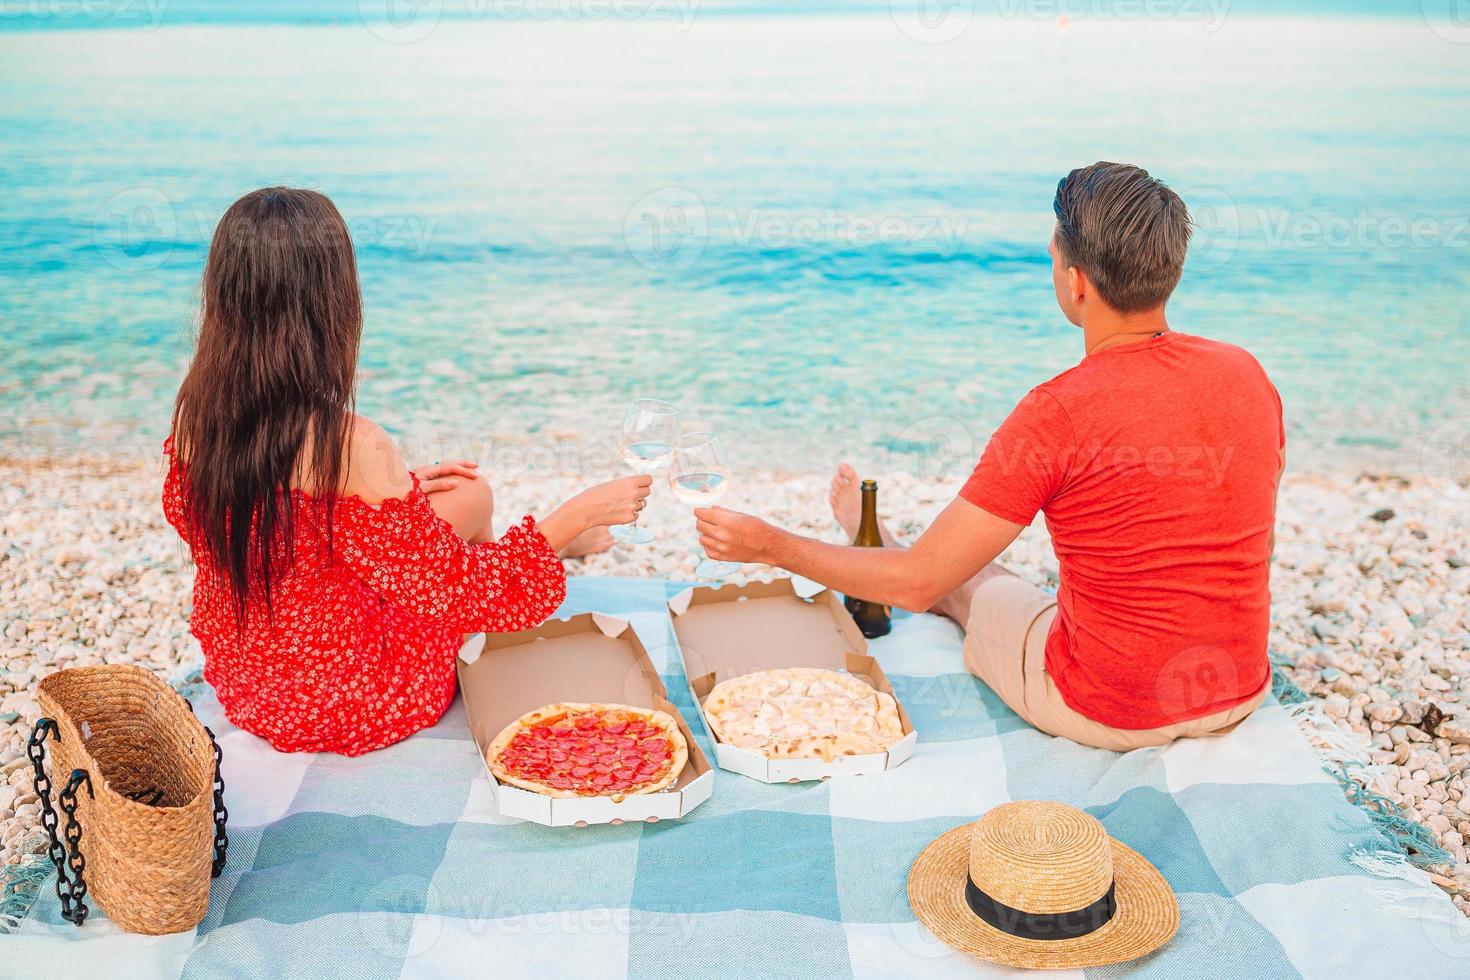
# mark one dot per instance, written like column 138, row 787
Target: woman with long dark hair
column 333, row 585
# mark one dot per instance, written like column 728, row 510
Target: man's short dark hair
column 1126, row 230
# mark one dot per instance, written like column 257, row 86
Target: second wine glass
column 699, row 477
column 650, row 429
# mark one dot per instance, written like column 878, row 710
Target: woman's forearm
column 562, row 525
column 615, row 502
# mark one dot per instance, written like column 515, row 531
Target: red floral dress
column 359, row 648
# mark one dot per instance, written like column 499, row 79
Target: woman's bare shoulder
column 375, row 470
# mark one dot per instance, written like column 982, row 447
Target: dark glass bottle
column 872, row 618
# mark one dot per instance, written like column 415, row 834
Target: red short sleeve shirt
column 1155, row 465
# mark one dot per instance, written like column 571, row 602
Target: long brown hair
column 269, row 394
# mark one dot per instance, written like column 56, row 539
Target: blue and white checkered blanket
column 396, row 864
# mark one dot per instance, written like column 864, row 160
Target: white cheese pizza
column 803, row 713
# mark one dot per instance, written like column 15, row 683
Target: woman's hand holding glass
column 615, row 502
column 650, row 429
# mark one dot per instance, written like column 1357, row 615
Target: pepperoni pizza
column 590, row 750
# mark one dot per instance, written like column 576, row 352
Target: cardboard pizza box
column 726, row 631
column 587, row 658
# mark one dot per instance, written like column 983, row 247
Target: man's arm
column 962, row 540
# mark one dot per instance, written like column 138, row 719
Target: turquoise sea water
column 815, row 226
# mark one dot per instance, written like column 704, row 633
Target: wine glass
column 699, row 477
column 650, row 429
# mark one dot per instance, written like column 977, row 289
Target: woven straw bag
column 143, row 817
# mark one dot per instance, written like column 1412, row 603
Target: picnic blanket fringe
column 1408, row 900
column 19, row 886
column 1341, row 754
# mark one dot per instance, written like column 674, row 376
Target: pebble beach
column 1370, row 595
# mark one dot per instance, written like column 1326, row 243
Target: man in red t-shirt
column 1155, row 462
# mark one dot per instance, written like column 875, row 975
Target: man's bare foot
column 846, row 498
column 590, row 542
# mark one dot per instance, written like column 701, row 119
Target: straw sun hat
column 1041, row 885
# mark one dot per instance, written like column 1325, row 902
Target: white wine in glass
column 699, row 477
column 650, row 429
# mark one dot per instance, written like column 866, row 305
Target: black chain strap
column 221, row 839
column 71, row 888
column 68, row 800
column 36, row 750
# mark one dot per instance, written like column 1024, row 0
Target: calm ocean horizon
column 820, row 228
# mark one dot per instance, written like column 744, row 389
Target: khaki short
column 1005, row 646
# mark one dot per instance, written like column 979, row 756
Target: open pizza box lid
column 726, row 631
column 587, row 658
